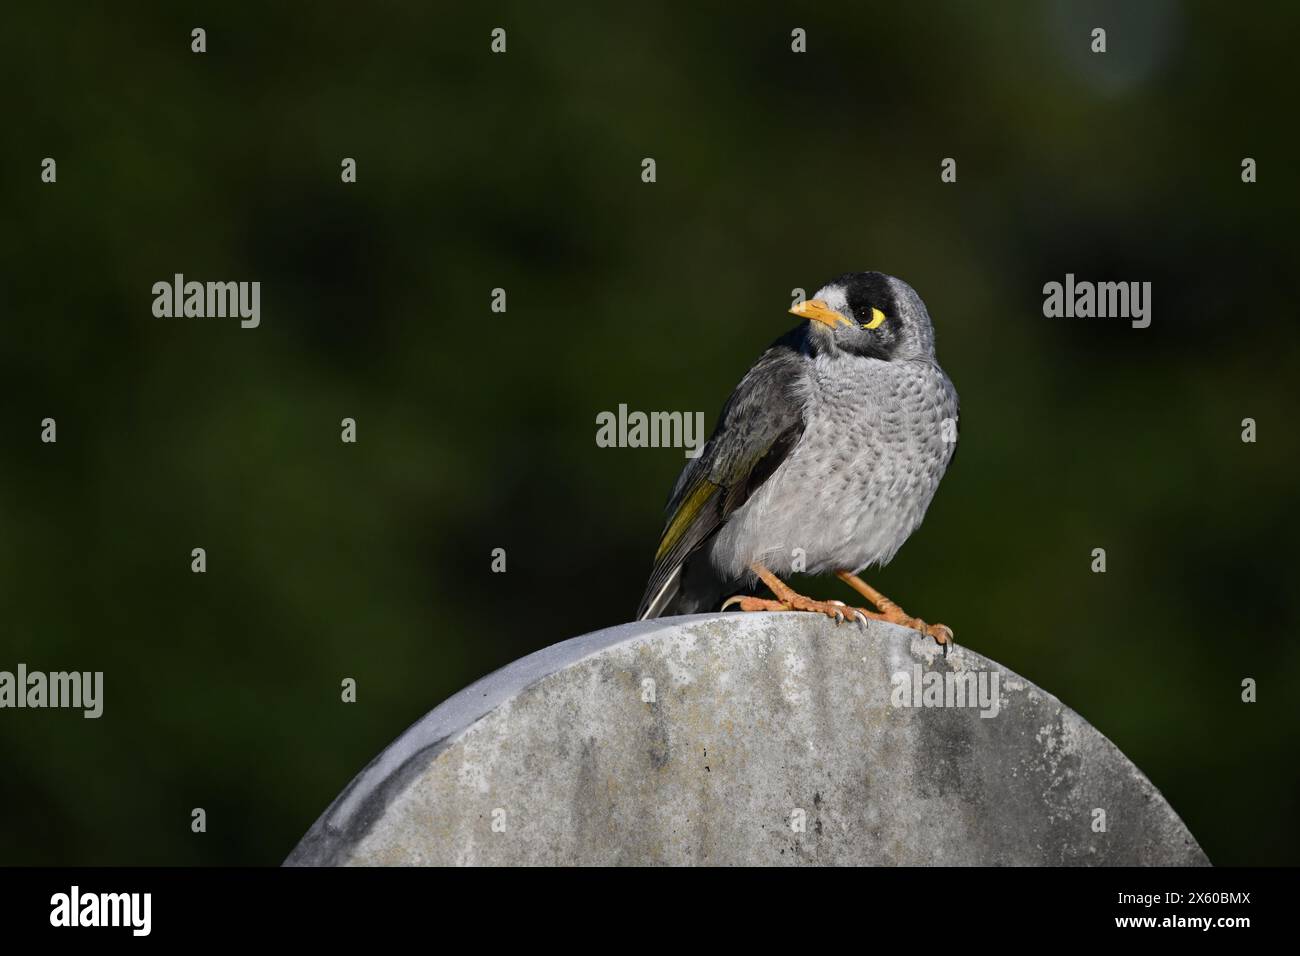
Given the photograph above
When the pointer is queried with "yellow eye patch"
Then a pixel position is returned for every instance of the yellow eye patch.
(876, 318)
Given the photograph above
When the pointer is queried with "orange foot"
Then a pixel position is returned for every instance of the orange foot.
(889, 611)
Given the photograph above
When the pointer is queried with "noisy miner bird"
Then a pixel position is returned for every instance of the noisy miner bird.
(823, 460)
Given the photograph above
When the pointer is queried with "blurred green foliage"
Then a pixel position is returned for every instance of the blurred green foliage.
(476, 431)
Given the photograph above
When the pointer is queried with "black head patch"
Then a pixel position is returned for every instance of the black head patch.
(865, 291)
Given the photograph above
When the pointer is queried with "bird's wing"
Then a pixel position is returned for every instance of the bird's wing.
(758, 426)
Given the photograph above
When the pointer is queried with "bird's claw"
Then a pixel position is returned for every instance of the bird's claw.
(748, 603)
(942, 633)
(838, 615)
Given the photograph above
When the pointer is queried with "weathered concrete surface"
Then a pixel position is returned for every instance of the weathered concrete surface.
(754, 718)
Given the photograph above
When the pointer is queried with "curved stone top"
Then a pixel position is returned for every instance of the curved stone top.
(750, 739)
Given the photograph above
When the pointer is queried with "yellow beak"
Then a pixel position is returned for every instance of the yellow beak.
(816, 310)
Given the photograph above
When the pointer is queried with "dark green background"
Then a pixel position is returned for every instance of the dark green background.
(477, 431)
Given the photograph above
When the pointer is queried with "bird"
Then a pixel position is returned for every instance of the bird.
(824, 460)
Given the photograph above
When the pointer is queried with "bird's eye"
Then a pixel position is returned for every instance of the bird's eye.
(876, 318)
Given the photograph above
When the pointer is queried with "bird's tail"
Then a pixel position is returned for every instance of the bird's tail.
(691, 589)
(655, 604)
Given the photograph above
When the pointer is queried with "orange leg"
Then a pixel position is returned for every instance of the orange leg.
(787, 599)
(889, 611)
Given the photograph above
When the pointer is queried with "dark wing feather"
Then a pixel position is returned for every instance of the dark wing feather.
(758, 426)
